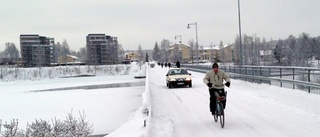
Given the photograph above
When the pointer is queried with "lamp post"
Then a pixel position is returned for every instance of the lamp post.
(240, 33)
(175, 37)
(180, 42)
(197, 47)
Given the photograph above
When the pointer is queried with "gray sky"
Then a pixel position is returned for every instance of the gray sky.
(145, 22)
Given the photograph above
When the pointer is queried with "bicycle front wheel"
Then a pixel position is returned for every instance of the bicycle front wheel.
(215, 116)
(221, 116)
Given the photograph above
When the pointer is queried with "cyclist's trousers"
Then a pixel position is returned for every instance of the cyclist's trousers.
(213, 98)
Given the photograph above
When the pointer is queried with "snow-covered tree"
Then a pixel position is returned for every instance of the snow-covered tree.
(175, 56)
(82, 54)
(257, 47)
(305, 49)
(211, 52)
(10, 129)
(165, 44)
(62, 49)
(65, 49)
(192, 49)
(121, 52)
(141, 54)
(147, 57)
(156, 54)
(221, 56)
(71, 127)
(279, 52)
(11, 51)
(291, 51)
(317, 50)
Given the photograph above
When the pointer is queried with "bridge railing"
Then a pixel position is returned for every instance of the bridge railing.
(303, 78)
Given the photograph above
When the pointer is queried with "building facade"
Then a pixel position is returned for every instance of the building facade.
(36, 50)
(132, 55)
(208, 53)
(102, 49)
(68, 59)
(179, 52)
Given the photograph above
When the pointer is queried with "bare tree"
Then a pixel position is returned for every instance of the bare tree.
(192, 47)
(165, 44)
(11, 51)
(175, 56)
(211, 52)
(221, 57)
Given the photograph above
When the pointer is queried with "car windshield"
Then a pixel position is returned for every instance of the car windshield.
(178, 72)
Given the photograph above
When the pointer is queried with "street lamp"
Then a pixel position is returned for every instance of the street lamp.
(175, 37)
(197, 47)
(180, 42)
(240, 33)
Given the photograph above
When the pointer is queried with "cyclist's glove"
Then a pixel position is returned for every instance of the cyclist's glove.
(209, 85)
(227, 84)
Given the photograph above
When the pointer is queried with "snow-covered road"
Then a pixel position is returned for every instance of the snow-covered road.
(252, 110)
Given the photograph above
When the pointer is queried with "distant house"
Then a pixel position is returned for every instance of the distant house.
(181, 50)
(67, 59)
(208, 53)
(228, 53)
(132, 55)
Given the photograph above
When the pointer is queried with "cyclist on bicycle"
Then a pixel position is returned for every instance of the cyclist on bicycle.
(214, 80)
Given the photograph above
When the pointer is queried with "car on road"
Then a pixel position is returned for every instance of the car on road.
(178, 77)
(152, 65)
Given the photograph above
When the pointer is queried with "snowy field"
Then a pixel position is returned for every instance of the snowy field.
(105, 108)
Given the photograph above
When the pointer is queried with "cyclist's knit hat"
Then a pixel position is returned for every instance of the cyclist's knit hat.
(215, 65)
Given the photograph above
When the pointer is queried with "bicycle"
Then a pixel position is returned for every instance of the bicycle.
(219, 113)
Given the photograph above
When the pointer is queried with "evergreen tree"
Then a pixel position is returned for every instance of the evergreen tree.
(156, 54)
(147, 57)
(140, 52)
(278, 51)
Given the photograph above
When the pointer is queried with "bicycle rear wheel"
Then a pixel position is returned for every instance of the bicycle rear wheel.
(221, 116)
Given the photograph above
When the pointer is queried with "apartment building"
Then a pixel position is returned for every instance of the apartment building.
(36, 50)
(102, 49)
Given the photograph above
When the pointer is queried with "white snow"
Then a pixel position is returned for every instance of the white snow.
(252, 109)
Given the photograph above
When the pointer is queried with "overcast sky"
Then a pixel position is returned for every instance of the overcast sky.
(145, 22)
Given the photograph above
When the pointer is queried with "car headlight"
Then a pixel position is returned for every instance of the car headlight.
(188, 79)
(172, 79)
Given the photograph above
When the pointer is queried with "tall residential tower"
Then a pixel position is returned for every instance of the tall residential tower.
(102, 49)
(36, 50)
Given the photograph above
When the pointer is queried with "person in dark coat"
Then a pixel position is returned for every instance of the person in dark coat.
(165, 64)
(178, 64)
(169, 64)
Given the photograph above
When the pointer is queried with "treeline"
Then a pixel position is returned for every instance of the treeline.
(292, 51)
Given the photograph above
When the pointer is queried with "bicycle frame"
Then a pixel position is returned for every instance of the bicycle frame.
(220, 108)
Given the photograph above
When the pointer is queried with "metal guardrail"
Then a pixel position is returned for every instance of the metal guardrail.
(303, 78)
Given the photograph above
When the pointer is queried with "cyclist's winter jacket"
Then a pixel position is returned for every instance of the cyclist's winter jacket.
(216, 79)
